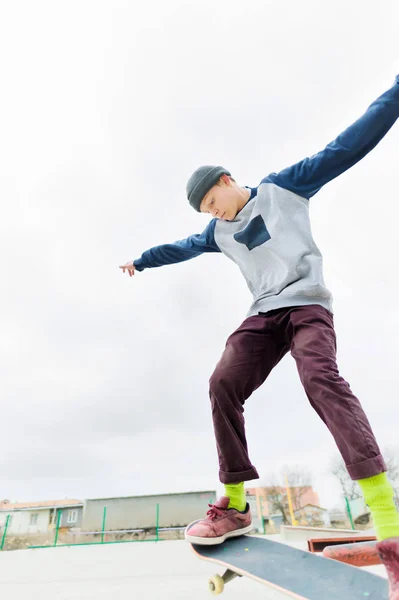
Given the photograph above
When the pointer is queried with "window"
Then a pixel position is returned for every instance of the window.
(33, 519)
(72, 516)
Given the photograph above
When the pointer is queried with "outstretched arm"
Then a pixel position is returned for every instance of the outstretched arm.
(182, 250)
(308, 176)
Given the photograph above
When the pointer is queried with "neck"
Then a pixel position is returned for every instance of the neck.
(245, 194)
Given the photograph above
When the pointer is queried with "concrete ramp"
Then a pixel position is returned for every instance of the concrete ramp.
(145, 571)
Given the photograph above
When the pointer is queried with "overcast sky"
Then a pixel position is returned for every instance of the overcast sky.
(106, 109)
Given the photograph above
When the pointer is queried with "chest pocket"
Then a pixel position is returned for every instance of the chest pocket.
(255, 233)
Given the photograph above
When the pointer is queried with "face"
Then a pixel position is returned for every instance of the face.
(222, 201)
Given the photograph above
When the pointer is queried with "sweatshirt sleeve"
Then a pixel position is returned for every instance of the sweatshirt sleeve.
(168, 254)
(308, 176)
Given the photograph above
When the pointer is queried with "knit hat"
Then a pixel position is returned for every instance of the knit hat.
(201, 182)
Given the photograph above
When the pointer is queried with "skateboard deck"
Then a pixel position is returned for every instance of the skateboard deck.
(299, 574)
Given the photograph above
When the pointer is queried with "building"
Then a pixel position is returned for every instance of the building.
(312, 516)
(273, 500)
(270, 523)
(146, 512)
(40, 517)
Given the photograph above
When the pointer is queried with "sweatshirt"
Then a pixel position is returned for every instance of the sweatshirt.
(270, 239)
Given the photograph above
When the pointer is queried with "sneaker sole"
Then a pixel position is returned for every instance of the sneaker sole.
(203, 541)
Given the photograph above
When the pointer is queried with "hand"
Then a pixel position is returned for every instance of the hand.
(129, 267)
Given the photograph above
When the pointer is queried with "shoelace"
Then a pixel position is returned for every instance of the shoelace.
(215, 512)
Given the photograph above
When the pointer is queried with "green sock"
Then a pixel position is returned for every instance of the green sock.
(236, 493)
(378, 494)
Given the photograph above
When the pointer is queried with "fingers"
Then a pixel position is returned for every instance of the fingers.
(130, 269)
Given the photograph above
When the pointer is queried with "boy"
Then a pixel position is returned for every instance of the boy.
(266, 231)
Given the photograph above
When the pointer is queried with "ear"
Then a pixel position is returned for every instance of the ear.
(225, 179)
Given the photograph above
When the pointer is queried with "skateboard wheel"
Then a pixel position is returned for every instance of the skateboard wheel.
(216, 585)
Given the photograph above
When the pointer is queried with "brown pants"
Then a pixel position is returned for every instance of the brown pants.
(251, 353)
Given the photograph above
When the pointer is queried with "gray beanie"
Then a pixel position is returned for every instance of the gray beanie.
(201, 182)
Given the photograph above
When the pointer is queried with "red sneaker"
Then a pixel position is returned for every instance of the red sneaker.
(220, 524)
(389, 553)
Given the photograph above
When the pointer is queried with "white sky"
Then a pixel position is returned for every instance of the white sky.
(106, 109)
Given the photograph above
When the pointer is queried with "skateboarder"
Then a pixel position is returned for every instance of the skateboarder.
(266, 231)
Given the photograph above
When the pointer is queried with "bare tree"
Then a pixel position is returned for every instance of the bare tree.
(391, 456)
(299, 482)
(351, 488)
(277, 499)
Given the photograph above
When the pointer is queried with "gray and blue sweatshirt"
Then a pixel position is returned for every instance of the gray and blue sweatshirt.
(270, 238)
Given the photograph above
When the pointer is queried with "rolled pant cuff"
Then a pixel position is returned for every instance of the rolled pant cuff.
(367, 468)
(238, 476)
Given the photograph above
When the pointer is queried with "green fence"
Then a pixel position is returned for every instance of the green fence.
(105, 536)
(3, 539)
(62, 536)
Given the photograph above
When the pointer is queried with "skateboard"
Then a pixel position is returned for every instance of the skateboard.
(296, 573)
